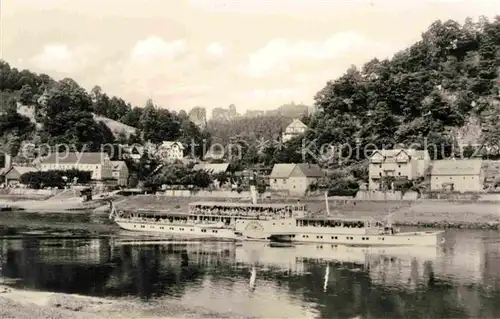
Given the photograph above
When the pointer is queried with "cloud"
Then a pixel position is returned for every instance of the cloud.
(155, 47)
(61, 58)
(215, 49)
(55, 54)
(277, 54)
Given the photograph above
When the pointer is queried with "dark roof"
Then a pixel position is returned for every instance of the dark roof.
(302, 169)
(72, 158)
(282, 170)
(457, 167)
(310, 170)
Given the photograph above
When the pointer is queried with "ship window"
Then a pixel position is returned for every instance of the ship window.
(135, 226)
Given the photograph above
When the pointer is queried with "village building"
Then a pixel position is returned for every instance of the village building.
(491, 171)
(400, 164)
(171, 151)
(120, 172)
(294, 129)
(12, 175)
(136, 151)
(457, 175)
(294, 178)
(98, 164)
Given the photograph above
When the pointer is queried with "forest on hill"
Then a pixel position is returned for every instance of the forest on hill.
(227, 124)
(64, 112)
(421, 95)
(423, 92)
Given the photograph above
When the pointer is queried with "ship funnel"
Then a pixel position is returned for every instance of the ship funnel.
(253, 193)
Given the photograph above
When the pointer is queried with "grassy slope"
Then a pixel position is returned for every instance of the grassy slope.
(115, 126)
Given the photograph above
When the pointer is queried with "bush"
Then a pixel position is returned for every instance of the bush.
(54, 178)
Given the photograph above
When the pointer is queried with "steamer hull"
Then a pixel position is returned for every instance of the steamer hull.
(172, 229)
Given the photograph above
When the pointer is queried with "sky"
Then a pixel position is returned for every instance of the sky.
(255, 54)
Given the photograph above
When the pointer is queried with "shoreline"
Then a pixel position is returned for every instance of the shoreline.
(422, 214)
(27, 304)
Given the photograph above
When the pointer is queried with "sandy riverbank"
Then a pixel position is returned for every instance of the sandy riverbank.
(23, 304)
(58, 204)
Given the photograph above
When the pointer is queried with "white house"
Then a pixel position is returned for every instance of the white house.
(171, 151)
(296, 128)
(406, 164)
(120, 172)
(98, 163)
(457, 175)
(294, 178)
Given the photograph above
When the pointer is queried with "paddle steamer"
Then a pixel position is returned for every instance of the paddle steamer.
(271, 222)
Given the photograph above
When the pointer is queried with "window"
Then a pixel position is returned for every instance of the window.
(379, 174)
(399, 166)
(399, 173)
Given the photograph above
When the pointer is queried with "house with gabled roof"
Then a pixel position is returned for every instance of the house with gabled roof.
(120, 172)
(457, 175)
(98, 163)
(294, 178)
(13, 174)
(294, 129)
(171, 151)
(401, 164)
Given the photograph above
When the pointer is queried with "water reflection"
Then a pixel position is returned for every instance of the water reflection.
(257, 279)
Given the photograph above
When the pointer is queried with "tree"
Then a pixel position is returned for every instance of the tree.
(68, 120)
(26, 94)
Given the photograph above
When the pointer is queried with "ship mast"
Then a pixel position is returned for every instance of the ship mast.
(253, 189)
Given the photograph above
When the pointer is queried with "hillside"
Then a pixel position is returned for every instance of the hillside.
(442, 90)
(255, 124)
(116, 127)
(36, 108)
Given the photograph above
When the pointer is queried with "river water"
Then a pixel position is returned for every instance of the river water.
(459, 280)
